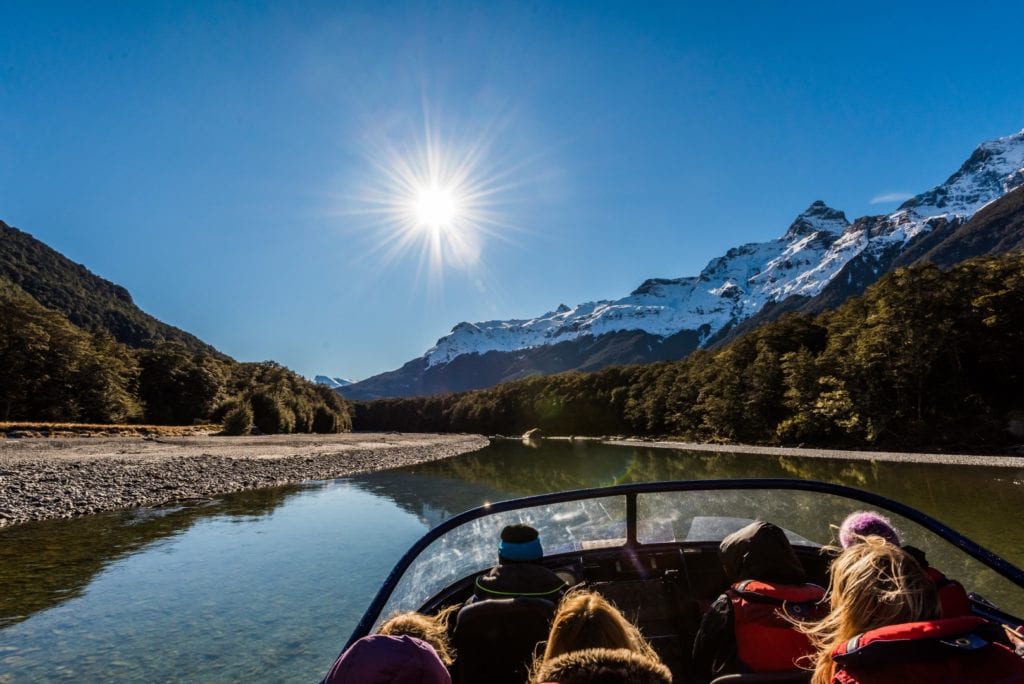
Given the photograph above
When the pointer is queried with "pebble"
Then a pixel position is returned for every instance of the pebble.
(42, 488)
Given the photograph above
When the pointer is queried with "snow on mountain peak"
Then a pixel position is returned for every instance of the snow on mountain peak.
(815, 247)
(819, 217)
(333, 383)
(995, 168)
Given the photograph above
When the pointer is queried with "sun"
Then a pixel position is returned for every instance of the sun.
(434, 202)
(435, 207)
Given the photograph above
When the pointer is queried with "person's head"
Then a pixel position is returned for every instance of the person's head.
(383, 659)
(432, 629)
(585, 619)
(873, 584)
(603, 666)
(863, 524)
(519, 544)
(760, 551)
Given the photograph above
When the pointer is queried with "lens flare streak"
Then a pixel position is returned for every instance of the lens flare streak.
(436, 200)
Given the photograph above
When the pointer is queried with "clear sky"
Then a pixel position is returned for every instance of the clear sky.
(219, 159)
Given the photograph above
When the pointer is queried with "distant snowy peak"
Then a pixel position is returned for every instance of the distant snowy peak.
(995, 168)
(333, 383)
(818, 244)
(819, 217)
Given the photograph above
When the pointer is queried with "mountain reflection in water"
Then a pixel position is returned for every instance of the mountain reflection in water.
(268, 584)
(48, 562)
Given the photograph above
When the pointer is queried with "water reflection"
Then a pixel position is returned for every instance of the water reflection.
(45, 563)
(431, 497)
(237, 595)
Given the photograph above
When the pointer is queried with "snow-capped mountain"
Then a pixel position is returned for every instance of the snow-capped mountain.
(995, 168)
(333, 383)
(818, 245)
(731, 287)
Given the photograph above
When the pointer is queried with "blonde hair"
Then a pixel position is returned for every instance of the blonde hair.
(432, 629)
(584, 620)
(610, 665)
(873, 584)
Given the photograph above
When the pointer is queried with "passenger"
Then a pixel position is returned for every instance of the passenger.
(750, 628)
(432, 629)
(383, 659)
(953, 599)
(586, 620)
(883, 627)
(517, 572)
(603, 666)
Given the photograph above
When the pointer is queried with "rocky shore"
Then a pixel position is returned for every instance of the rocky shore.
(990, 461)
(63, 478)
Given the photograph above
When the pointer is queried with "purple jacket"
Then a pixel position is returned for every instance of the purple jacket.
(381, 659)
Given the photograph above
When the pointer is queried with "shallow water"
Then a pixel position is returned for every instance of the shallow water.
(268, 585)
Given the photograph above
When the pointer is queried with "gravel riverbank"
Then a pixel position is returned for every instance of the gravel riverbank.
(63, 478)
(836, 454)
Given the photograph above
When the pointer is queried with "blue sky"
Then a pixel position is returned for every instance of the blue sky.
(214, 157)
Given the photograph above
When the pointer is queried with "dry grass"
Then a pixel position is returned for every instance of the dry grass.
(25, 429)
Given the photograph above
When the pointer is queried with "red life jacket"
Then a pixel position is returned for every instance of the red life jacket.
(953, 598)
(766, 641)
(947, 651)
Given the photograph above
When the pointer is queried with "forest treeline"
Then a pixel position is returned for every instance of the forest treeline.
(926, 357)
(55, 371)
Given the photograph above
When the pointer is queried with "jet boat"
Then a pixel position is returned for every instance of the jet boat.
(652, 549)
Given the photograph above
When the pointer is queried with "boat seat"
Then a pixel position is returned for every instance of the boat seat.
(789, 677)
(665, 613)
(496, 639)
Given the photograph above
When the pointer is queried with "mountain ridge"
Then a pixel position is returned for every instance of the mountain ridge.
(819, 246)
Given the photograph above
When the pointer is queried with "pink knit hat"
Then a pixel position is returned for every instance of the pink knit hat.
(867, 523)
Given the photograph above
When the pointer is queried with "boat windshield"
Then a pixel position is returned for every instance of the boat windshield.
(473, 546)
(592, 520)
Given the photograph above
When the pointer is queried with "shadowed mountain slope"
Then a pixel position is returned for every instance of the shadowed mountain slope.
(87, 300)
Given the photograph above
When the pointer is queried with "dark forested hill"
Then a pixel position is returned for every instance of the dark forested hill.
(87, 300)
(74, 348)
(925, 358)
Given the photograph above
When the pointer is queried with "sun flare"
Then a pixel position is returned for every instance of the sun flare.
(436, 200)
(435, 207)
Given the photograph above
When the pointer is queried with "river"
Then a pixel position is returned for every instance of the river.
(267, 585)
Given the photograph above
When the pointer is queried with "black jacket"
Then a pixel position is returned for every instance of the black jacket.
(508, 580)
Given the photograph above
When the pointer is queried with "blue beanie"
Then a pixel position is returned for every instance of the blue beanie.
(520, 543)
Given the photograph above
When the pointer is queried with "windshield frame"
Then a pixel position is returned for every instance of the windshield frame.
(631, 491)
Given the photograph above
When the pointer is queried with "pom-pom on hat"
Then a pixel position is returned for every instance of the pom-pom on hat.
(864, 524)
(520, 543)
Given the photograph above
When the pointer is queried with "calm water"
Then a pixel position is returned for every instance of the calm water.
(268, 585)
